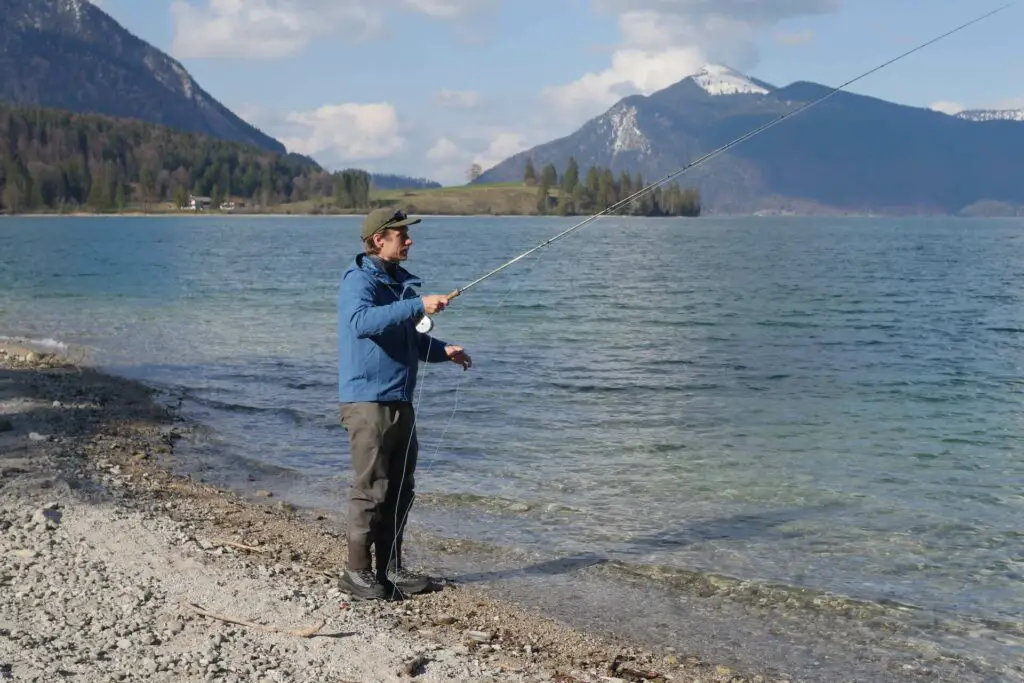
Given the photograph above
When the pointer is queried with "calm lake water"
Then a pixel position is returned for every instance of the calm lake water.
(820, 404)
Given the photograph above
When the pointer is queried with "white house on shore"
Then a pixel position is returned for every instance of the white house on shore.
(198, 203)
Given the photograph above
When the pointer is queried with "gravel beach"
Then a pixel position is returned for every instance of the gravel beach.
(116, 569)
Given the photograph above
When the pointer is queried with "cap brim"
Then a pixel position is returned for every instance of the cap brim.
(403, 224)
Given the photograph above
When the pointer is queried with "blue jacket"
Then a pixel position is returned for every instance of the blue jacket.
(379, 348)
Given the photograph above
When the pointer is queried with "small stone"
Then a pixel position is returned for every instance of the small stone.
(124, 644)
(47, 518)
(35, 436)
(519, 507)
(264, 494)
(480, 636)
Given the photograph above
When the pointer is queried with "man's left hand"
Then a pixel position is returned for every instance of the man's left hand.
(457, 355)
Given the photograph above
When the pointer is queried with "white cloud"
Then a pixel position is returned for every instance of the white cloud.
(947, 107)
(632, 71)
(443, 8)
(449, 161)
(503, 145)
(462, 99)
(343, 133)
(444, 151)
(663, 41)
(270, 29)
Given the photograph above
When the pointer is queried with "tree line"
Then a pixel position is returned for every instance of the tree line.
(600, 189)
(56, 160)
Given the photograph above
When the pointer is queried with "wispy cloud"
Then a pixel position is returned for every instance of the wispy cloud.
(462, 99)
(271, 29)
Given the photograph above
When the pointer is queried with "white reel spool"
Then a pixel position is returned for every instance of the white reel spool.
(425, 325)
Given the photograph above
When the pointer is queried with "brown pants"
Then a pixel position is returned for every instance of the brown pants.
(384, 453)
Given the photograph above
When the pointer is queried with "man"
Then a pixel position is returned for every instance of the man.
(379, 351)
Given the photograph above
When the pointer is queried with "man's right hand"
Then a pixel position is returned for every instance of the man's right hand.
(435, 303)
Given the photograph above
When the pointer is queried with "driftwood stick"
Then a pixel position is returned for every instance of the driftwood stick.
(240, 546)
(302, 633)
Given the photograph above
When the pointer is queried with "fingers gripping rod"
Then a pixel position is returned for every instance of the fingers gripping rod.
(714, 153)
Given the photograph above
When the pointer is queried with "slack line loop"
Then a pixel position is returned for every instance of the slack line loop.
(726, 147)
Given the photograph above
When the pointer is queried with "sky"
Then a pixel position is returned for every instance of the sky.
(428, 87)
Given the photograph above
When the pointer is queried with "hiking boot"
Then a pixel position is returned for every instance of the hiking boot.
(362, 584)
(409, 583)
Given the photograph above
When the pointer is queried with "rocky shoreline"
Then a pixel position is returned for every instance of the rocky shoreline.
(116, 569)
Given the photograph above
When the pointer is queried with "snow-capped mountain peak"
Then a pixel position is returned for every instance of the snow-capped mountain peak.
(721, 80)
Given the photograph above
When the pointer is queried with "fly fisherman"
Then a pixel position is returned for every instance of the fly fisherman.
(379, 350)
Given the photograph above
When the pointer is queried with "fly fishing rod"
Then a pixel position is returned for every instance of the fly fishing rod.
(426, 324)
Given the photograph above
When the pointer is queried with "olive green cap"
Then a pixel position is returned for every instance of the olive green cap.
(379, 219)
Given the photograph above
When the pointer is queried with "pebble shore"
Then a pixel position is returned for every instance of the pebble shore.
(114, 569)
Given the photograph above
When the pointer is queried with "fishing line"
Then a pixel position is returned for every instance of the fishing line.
(427, 324)
(417, 401)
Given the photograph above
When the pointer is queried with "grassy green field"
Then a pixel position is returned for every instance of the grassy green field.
(510, 199)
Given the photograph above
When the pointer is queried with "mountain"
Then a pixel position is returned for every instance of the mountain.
(850, 153)
(69, 54)
(992, 115)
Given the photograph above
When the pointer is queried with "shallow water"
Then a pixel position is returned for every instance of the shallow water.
(825, 404)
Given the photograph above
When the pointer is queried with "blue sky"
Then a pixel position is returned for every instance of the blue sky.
(428, 87)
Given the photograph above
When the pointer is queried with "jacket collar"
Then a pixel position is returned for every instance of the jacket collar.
(402, 276)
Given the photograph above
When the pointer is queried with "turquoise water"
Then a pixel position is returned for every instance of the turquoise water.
(823, 403)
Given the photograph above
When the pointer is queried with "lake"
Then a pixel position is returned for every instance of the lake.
(810, 406)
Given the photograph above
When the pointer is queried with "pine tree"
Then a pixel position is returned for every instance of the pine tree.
(530, 173)
(571, 176)
(549, 176)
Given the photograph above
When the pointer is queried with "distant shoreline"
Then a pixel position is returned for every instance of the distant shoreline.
(359, 214)
(135, 213)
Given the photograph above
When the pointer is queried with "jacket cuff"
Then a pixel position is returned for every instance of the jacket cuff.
(418, 309)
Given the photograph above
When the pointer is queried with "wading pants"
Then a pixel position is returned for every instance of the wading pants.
(384, 451)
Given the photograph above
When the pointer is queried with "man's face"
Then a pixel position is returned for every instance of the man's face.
(394, 244)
